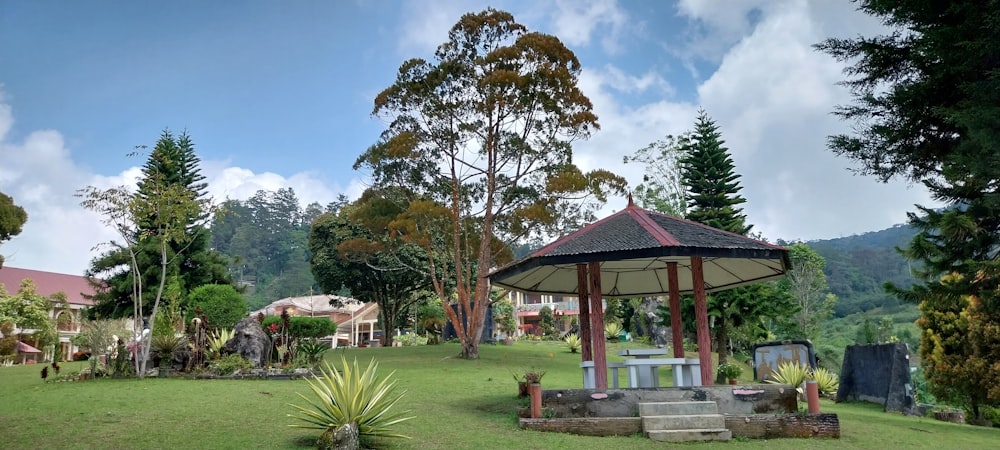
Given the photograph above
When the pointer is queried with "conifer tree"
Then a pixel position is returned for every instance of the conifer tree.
(711, 180)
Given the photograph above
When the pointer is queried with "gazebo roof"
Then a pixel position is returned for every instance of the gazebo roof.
(633, 245)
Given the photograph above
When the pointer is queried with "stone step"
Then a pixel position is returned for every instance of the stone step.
(687, 422)
(677, 408)
(715, 434)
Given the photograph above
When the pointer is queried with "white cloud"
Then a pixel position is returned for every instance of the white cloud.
(60, 235)
(576, 22)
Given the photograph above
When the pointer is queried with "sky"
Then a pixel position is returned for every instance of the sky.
(280, 94)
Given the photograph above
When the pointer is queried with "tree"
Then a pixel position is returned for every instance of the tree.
(12, 217)
(221, 304)
(483, 137)
(27, 309)
(926, 107)
(171, 166)
(708, 174)
(347, 253)
(164, 214)
(806, 282)
(662, 187)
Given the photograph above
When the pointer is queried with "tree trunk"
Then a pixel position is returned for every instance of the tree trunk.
(470, 350)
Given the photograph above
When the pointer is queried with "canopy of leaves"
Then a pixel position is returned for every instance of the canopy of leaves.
(662, 188)
(806, 282)
(27, 309)
(304, 327)
(708, 173)
(12, 217)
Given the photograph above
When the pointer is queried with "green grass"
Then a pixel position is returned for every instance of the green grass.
(458, 404)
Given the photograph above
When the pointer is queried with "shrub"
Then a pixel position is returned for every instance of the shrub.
(230, 364)
(310, 351)
(304, 327)
(791, 373)
(572, 342)
(729, 371)
(221, 304)
(81, 356)
(410, 338)
(352, 396)
(826, 381)
(218, 339)
(612, 330)
(165, 345)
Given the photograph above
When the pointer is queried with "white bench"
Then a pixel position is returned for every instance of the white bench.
(589, 373)
(644, 372)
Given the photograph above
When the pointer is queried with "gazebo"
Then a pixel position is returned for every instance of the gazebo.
(636, 252)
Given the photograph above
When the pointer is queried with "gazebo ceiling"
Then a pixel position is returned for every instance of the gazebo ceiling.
(634, 247)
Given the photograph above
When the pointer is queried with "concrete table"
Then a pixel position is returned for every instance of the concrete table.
(646, 375)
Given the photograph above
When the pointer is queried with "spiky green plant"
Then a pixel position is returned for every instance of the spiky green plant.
(612, 330)
(351, 395)
(573, 342)
(826, 381)
(791, 373)
(218, 339)
(311, 351)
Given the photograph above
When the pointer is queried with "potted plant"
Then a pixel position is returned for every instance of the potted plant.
(525, 379)
(729, 371)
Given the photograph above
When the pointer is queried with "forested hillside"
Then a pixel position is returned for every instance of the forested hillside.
(265, 239)
(857, 267)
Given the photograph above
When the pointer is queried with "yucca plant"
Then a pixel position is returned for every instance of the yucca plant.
(791, 373)
(612, 330)
(218, 339)
(164, 345)
(352, 396)
(826, 381)
(311, 351)
(572, 342)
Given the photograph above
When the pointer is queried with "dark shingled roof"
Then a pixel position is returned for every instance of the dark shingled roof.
(636, 240)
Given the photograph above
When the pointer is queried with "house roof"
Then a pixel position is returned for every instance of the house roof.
(310, 304)
(49, 283)
(634, 247)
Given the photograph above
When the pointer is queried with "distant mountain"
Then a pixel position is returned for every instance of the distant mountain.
(857, 267)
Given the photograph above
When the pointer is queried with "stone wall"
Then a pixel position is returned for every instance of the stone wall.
(740, 399)
(769, 426)
(877, 373)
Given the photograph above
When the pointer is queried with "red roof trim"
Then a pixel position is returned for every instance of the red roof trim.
(661, 235)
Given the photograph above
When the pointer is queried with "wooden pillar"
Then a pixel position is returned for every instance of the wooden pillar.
(676, 327)
(597, 327)
(583, 289)
(701, 319)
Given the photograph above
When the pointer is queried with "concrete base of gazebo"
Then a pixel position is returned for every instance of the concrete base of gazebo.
(753, 410)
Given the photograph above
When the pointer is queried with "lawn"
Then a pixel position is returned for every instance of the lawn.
(458, 404)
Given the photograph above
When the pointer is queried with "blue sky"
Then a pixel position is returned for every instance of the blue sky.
(279, 94)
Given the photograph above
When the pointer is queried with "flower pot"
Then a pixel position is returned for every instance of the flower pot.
(522, 389)
(733, 381)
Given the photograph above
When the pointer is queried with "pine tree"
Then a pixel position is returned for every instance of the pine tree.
(172, 162)
(925, 108)
(711, 180)
(708, 173)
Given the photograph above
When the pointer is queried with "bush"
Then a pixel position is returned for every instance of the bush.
(572, 342)
(81, 356)
(729, 371)
(827, 381)
(221, 304)
(410, 339)
(613, 331)
(304, 327)
(230, 364)
(351, 396)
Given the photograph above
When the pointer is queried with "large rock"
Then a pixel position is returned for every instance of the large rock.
(249, 341)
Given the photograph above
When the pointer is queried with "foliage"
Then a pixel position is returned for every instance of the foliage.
(729, 371)
(8, 343)
(410, 339)
(504, 316)
(162, 225)
(546, 321)
(529, 376)
(304, 327)
(613, 330)
(265, 238)
(27, 309)
(348, 395)
(171, 195)
(164, 345)
(431, 318)
(217, 339)
(710, 178)
(311, 351)
(101, 336)
(12, 217)
(807, 285)
(220, 304)
(662, 189)
(826, 381)
(482, 139)
(791, 373)
(349, 251)
(573, 342)
(925, 109)
(230, 364)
